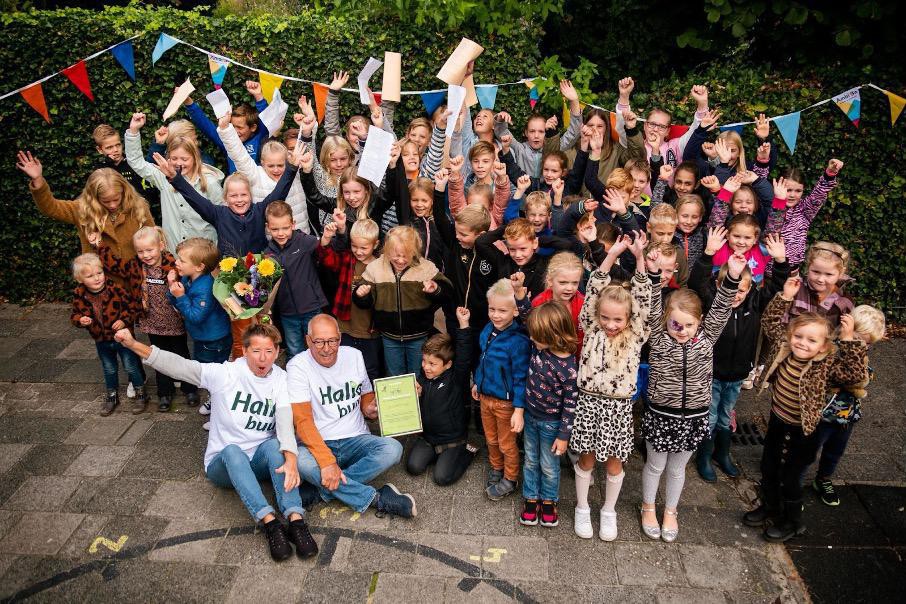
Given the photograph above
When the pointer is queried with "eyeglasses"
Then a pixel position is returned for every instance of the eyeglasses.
(656, 126)
(332, 342)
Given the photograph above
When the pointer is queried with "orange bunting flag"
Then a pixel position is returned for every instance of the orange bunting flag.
(78, 75)
(34, 96)
(269, 83)
(896, 106)
(320, 91)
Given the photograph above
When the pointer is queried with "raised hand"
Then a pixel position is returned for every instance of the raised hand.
(164, 166)
(463, 315)
(568, 91)
(847, 328)
(733, 183)
(723, 151)
(377, 115)
(623, 243)
(254, 88)
(625, 87)
(736, 264)
(161, 134)
(585, 138)
(429, 286)
(588, 232)
(523, 183)
(711, 183)
(748, 177)
(590, 205)
(441, 177)
(557, 187)
(339, 218)
(700, 94)
(137, 122)
(665, 173)
(330, 230)
(29, 164)
(442, 119)
(791, 288)
(834, 166)
(499, 169)
(763, 155)
(551, 123)
(503, 116)
(773, 242)
(780, 191)
(395, 150)
(224, 120)
(596, 142)
(306, 160)
(339, 80)
(518, 280)
(709, 150)
(762, 126)
(630, 119)
(614, 202)
(298, 155)
(651, 259)
(456, 163)
(717, 237)
(637, 247)
(505, 141)
(710, 119)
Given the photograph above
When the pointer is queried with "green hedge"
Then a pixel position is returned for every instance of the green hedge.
(311, 45)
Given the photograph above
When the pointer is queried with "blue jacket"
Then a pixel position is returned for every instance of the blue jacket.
(209, 129)
(205, 319)
(503, 367)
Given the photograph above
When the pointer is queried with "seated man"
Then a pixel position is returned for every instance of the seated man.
(251, 435)
(332, 396)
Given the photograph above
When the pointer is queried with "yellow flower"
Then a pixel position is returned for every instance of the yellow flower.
(227, 264)
(266, 267)
(242, 288)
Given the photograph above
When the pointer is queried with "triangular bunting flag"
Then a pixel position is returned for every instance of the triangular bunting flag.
(218, 66)
(164, 43)
(789, 128)
(614, 135)
(896, 106)
(377, 97)
(487, 96)
(433, 100)
(125, 56)
(850, 103)
(533, 97)
(320, 91)
(737, 128)
(529, 83)
(566, 117)
(676, 131)
(269, 83)
(78, 75)
(34, 96)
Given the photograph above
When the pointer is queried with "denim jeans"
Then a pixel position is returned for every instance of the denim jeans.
(723, 400)
(541, 468)
(214, 351)
(361, 458)
(403, 357)
(108, 353)
(294, 329)
(233, 469)
(831, 438)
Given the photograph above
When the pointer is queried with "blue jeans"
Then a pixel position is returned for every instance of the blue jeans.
(403, 357)
(723, 400)
(361, 458)
(108, 353)
(214, 351)
(233, 469)
(831, 438)
(294, 329)
(541, 468)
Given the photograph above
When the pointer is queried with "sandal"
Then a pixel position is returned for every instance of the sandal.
(669, 535)
(652, 531)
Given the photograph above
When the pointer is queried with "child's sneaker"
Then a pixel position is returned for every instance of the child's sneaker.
(608, 531)
(500, 489)
(130, 390)
(529, 515)
(192, 399)
(140, 402)
(164, 404)
(494, 476)
(206, 425)
(826, 491)
(582, 523)
(550, 516)
(205, 408)
(110, 402)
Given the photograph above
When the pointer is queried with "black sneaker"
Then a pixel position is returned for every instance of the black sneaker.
(277, 540)
(309, 494)
(391, 501)
(500, 489)
(140, 402)
(494, 476)
(192, 399)
(826, 491)
(302, 539)
(110, 403)
(164, 404)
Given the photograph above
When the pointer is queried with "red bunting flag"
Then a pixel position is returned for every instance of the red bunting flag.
(34, 96)
(377, 97)
(676, 131)
(320, 91)
(78, 75)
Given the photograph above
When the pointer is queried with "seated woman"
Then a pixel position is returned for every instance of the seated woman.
(252, 437)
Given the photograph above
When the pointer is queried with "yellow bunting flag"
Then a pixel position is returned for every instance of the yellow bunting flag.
(896, 106)
(565, 114)
(269, 83)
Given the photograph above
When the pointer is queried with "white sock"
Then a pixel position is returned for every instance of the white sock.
(583, 480)
(612, 491)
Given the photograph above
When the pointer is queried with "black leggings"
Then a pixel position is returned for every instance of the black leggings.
(178, 345)
(449, 466)
(787, 453)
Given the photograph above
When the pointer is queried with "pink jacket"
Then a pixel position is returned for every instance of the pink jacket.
(457, 197)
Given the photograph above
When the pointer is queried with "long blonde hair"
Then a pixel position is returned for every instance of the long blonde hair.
(93, 215)
(618, 345)
(191, 147)
(731, 136)
(351, 174)
(333, 143)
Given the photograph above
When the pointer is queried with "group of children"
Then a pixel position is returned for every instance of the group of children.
(566, 279)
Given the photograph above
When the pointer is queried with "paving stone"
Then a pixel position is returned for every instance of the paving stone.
(142, 532)
(11, 481)
(135, 432)
(43, 348)
(434, 512)
(372, 554)
(8, 519)
(174, 434)
(580, 593)
(449, 555)
(648, 565)
(42, 494)
(82, 372)
(203, 551)
(81, 540)
(79, 350)
(121, 496)
(250, 549)
(99, 461)
(175, 499)
(525, 558)
(680, 595)
(40, 533)
(52, 430)
(266, 584)
(135, 580)
(226, 509)
(43, 370)
(47, 460)
(10, 346)
(712, 567)
(721, 527)
(590, 559)
(497, 518)
(27, 571)
(10, 454)
(88, 488)
(336, 514)
(100, 430)
(165, 462)
(325, 586)
(407, 588)
(477, 590)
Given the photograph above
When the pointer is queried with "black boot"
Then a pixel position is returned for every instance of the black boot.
(703, 460)
(790, 526)
(722, 452)
(769, 509)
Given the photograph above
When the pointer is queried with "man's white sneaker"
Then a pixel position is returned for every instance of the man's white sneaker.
(608, 530)
(205, 408)
(582, 523)
(130, 390)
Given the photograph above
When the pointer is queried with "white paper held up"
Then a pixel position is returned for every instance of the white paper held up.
(272, 117)
(364, 76)
(456, 95)
(376, 156)
(181, 94)
(220, 103)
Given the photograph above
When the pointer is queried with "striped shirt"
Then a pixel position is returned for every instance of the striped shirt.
(785, 399)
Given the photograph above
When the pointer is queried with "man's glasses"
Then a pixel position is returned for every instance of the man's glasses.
(332, 342)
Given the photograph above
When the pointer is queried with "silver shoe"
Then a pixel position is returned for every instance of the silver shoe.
(669, 535)
(651, 531)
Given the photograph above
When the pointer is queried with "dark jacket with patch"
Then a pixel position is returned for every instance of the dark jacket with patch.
(443, 414)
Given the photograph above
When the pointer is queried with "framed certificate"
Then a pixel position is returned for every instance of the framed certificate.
(397, 405)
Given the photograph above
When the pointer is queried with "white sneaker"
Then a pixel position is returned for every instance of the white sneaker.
(582, 523)
(205, 408)
(130, 390)
(206, 425)
(608, 530)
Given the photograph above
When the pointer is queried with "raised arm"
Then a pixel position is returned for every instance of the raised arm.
(133, 146)
(168, 363)
(236, 151)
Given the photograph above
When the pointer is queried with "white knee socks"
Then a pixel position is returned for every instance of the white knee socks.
(612, 491)
(583, 480)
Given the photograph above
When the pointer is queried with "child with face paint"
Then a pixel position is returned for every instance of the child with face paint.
(675, 421)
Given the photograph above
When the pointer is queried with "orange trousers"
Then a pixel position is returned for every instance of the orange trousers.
(503, 452)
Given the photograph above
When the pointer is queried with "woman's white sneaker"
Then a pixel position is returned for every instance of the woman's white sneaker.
(582, 523)
(608, 530)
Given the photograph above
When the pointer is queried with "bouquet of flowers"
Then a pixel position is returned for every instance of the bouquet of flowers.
(248, 286)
